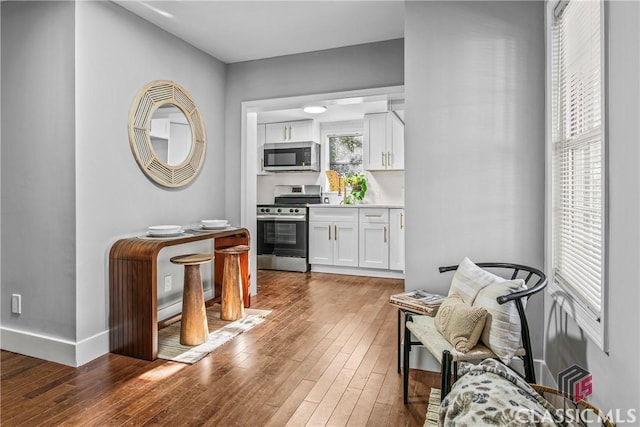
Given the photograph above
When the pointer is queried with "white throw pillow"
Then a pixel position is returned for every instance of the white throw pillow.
(502, 327)
(469, 279)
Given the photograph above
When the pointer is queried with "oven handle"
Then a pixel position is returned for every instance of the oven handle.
(281, 218)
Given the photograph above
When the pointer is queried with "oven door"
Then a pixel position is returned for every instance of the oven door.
(282, 236)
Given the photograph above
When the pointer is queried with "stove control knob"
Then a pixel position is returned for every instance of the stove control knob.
(290, 210)
(297, 210)
(279, 210)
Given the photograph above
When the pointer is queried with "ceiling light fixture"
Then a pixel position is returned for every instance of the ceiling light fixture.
(315, 109)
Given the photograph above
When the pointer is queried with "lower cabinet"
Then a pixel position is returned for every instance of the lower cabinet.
(374, 238)
(333, 236)
(396, 239)
(365, 238)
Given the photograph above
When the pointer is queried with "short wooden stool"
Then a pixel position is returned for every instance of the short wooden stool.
(194, 329)
(232, 305)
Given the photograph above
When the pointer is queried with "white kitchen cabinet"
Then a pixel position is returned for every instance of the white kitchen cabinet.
(373, 238)
(396, 239)
(383, 146)
(333, 236)
(295, 131)
(260, 143)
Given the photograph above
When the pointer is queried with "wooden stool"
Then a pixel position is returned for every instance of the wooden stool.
(232, 305)
(194, 329)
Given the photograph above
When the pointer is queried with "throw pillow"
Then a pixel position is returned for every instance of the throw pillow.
(502, 327)
(459, 323)
(469, 279)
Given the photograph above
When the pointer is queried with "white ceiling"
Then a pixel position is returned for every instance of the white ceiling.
(235, 31)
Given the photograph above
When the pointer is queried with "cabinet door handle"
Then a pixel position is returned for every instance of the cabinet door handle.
(401, 220)
(289, 132)
(329, 227)
(383, 159)
(261, 165)
(335, 232)
(385, 234)
(388, 159)
(373, 216)
(284, 136)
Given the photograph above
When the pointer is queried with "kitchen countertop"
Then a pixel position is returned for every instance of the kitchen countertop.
(360, 205)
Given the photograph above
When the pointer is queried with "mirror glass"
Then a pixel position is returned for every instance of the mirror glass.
(170, 134)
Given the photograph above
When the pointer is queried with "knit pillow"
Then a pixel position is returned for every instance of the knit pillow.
(459, 323)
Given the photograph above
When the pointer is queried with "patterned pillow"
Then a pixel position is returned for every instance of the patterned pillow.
(502, 327)
(460, 323)
(469, 279)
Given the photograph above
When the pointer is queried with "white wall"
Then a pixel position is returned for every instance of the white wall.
(474, 139)
(87, 180)
(616, 376)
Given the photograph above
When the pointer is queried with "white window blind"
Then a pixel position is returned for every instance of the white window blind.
(578, 152)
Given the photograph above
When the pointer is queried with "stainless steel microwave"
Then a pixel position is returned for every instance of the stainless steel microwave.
(292, 156)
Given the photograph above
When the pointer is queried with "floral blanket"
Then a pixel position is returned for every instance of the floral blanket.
(491, 394)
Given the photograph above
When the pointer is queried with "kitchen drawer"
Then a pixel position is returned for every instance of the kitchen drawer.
(373, 215)
(333, 214)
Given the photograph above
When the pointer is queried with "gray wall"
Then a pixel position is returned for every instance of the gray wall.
(38, 167)
(334, 70)
(616, 376)
(111, 189)
(474, 153)
(88, 185)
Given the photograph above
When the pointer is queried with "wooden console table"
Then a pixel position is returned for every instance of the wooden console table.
(133, 284)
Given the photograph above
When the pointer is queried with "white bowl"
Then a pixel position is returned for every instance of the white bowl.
(163, 230)
(214, 223)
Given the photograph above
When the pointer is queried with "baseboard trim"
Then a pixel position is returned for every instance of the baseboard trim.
(356, 271)
(54, 349)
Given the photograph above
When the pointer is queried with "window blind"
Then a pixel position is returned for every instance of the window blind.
(578, 147)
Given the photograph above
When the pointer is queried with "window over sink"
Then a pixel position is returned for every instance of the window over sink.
(345, 153)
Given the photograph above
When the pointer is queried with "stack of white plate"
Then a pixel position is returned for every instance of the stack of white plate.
(214, 224)
(164, 230)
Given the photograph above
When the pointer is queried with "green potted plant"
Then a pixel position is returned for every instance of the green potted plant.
(358, 184)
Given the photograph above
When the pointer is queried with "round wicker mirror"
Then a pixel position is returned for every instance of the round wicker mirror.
(156, 95)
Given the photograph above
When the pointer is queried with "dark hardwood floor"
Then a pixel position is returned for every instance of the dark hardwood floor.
(325, 356)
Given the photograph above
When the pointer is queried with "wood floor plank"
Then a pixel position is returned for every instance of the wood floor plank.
(366, 401)
(326, 355)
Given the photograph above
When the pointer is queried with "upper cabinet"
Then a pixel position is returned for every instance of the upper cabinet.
(383, 142)
(295, 131)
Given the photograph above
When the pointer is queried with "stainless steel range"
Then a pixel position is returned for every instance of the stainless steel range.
(283, 228)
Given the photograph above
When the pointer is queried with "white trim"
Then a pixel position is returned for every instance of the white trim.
(248, 144)
(92, 348)
(53, 349)
(356, 271)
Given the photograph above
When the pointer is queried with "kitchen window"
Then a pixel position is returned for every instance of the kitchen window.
(578, 147)
(345, 154)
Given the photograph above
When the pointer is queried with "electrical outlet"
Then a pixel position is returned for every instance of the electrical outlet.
(167, 283)
(16, 303)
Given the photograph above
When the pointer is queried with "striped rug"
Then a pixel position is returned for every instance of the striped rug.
(433, 408)
(220, 332)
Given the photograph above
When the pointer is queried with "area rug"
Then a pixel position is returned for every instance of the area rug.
(433, 408)
(220, 332)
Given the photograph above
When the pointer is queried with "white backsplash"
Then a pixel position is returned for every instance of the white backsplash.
(384, 188)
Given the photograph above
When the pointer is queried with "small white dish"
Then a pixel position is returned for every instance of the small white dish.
(214, 224)
(164, 230)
